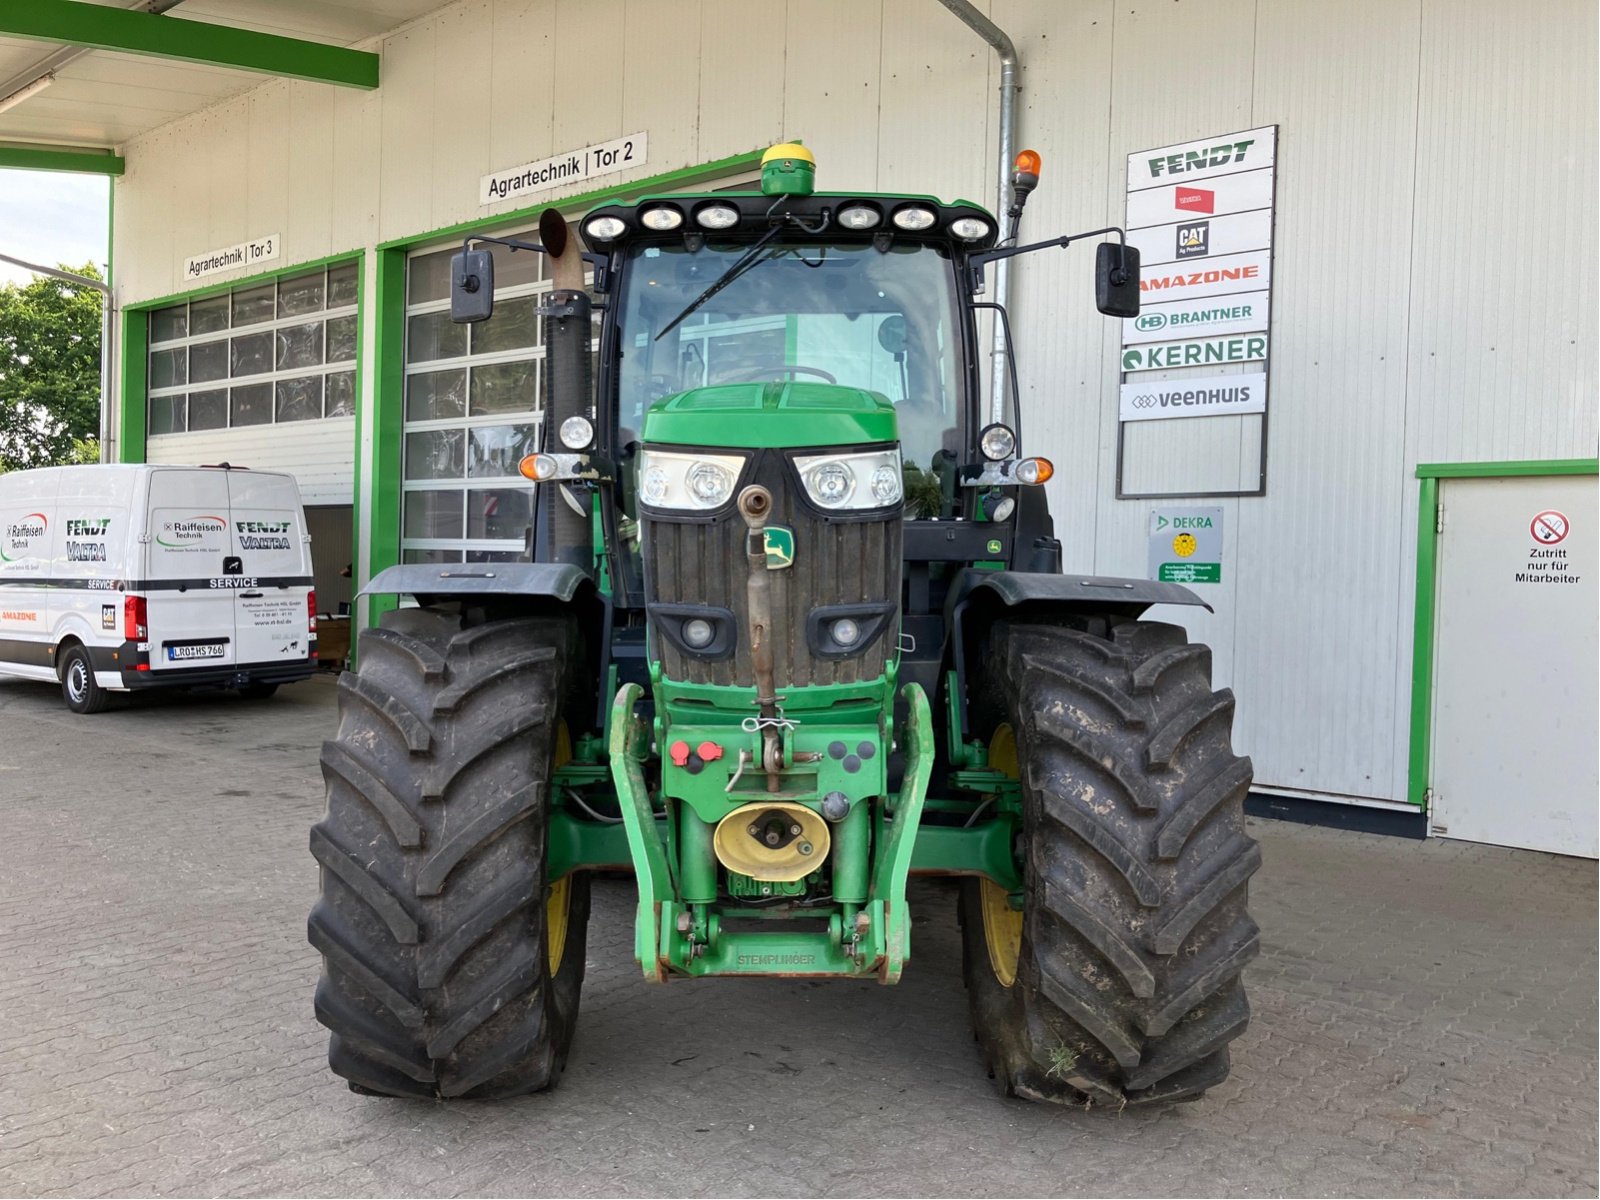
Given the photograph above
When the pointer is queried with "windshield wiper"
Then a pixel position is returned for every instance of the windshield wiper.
(746, 261)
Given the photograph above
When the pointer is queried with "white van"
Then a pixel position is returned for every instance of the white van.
(117, 578)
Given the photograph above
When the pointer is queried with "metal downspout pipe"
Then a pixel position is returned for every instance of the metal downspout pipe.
(1002, 44)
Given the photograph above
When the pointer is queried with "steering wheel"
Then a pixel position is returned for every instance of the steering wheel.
(763, 372)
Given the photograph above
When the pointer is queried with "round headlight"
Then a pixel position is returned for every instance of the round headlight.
(969, 229)
(997, 443)
(653, 485)
(709, 483)
(661, 218)
(576, 433)
(1003, 510)
(859, 216)
(845, 631)
(717, 216)
(697, 632)
(886, 485)
(831, 483)
(604, 229)
(914, 217)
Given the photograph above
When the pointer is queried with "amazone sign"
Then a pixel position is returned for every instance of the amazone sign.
(1202, 353)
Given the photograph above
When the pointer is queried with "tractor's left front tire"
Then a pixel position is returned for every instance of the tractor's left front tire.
(452, 964)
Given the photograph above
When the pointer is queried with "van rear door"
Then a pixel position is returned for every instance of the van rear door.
(187, 570)
(272, 616)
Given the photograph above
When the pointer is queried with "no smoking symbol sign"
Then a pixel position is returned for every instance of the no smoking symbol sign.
(1548, 527)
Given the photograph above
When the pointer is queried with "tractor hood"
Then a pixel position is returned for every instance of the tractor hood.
(760, 415)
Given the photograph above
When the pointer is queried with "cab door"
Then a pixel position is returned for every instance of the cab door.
(272, 616)
(188, 571)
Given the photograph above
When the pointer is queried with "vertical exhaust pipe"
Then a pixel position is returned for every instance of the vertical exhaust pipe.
(565, 533)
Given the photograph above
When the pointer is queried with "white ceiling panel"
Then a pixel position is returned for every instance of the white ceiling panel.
(103, 98)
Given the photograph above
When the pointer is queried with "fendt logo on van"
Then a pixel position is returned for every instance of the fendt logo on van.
(92, 547)
(20, 535)
(264, 535)
(186, 532)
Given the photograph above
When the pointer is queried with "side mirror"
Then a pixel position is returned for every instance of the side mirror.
(471, 286)
(1116, 280)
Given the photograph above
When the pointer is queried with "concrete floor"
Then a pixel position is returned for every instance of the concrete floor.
(1425, 1019)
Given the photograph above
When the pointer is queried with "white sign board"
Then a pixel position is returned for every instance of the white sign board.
(1199, 238)
(1243, 313)
(246, 254)
(1209, 198)
(573, 166)
(1227, 154)
(1203, 352)
(1206, 396)
(1206, 277)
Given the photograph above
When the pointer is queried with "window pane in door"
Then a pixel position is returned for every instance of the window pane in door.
(251, 354)
(208, 361)
(503, 388)
(435, 454)
(208, 410)
(342, 286)
(255, 305)
(252, 404)
(169, 323)
(299, 346)
(433, 514)
(208, 316)
(436, 396)
(496, 450)
(341, 394)
(300, 399)
(302, 294)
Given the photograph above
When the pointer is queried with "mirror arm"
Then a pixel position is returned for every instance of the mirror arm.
(978, 261)
(597, 261)
(1004, 318)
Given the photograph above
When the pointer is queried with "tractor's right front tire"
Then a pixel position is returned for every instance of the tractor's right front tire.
(451, 964)
(1117, 980)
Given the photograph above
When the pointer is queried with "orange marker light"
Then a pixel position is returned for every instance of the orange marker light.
(1034, 470)
(537, 467)
(1029, 162)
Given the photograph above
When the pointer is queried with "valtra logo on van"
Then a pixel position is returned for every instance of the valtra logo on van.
(86, 539)
(21, 534)
(189, 531)
(264, 535)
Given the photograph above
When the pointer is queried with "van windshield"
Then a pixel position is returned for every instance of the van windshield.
(883, 321)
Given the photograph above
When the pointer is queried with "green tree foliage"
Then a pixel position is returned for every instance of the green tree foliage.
(49, 372)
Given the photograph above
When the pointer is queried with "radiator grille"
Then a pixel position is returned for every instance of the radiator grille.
(834, 563)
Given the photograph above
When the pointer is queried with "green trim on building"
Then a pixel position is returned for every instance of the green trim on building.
(1424, 616)
(682, 177)
(1489, 470)
(83, 160)
(134, 382)
(388, 401)
(134, 376)
(72, 23)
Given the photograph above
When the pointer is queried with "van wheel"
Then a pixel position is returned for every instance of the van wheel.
(82, 693)
(258, 691)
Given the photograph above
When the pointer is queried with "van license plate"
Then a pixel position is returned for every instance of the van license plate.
(204, 650)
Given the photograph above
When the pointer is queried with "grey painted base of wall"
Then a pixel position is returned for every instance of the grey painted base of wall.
(1355, 817)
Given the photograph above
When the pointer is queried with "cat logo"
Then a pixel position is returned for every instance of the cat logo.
(1194, 239)
(779, 543)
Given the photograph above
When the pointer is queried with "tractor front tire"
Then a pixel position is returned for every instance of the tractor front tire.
(451, 965)
(1119, 981)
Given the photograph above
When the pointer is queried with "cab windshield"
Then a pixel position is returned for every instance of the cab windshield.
(883, 321)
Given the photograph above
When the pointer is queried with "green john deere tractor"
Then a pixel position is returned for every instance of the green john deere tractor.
(791, 626)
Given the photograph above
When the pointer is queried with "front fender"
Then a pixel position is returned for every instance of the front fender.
(1093, 593)
(559, 581)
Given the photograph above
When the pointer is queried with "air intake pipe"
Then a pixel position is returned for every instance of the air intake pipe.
(565, 529)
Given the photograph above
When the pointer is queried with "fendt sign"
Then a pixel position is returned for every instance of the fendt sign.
(1201, 215)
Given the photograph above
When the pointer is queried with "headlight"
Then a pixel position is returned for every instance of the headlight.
(576, 433)
(605, 229)
(691, 482)
(662, 218)
(1034, 470)
(859, 216)
(851, 481)
(716, 216)
(969, 229)
(914, 217)
(997, 443)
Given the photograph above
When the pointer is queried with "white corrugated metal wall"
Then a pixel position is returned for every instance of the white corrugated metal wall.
(1434, 295)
